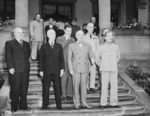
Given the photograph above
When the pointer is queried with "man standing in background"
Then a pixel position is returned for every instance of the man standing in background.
(96, 26)
(66, 80)
(37, 37)
(93, 41)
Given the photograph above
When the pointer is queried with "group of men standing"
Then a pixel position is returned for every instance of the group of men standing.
(64, 60)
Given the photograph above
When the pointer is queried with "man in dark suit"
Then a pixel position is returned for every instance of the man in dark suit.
(96, 26)
(66, 80)
(50, 26)
(51, 68)
(17, 53)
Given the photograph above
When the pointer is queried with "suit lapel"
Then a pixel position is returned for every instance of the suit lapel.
(18, 44)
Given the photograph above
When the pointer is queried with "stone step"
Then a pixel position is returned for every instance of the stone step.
(96, 111)
(38, 88)
(90, 100)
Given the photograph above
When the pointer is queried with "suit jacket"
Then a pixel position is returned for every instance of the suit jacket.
(36, 30)
(17, 56)
(51, 59)
(78, 58)
(96, 29)
(107, 57)
(93, 41)
(47, 28)
(65, 43)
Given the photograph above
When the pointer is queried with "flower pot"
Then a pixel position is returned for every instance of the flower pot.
(1, 83)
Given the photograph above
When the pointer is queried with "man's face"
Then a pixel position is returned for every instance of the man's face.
(68, 31)
(51, 21)
(51, 34)
(38, 17)
(109, 37)
(93, 20)
(90, 28)
(79, 36)
(18, 33)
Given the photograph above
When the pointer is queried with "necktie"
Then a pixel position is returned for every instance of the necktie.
(21, 42)
(52, 44)
(91, 36)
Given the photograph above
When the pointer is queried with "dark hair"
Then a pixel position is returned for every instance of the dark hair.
(36, 15)
(67, 26)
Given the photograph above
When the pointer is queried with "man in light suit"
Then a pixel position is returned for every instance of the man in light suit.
(37, 37)
(17, 53)
(66, 80)
(78, 61)
(93, 41)
(107, 58)
(51, 68)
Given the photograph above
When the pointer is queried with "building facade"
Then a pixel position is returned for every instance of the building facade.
(120, 12)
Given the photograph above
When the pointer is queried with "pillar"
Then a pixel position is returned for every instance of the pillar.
(21, 13)
(104, 13)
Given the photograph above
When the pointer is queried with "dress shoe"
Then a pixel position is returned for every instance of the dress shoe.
(93, 90)
(87, 106)
(44, 107)
(59, 108)
(13, 110)
(63, 98)
(117, 106)
(26, 108)
(103, 107)
(69, 98)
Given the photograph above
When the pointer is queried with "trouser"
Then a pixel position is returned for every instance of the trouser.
(35, 47)
(18, 89)
(106, 78)
(66, 84)
(79, 88)
(92, 75)
(57, 88)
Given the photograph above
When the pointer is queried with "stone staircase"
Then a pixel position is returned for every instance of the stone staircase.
(128, 102)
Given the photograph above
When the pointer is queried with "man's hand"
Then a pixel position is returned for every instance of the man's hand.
(71, 72)
(12, 71)
(92, 61)
(32, 38)
(61, 72)
(41, 73)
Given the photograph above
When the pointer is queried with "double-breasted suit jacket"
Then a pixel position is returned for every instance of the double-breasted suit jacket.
(17, 57)
(78, 58)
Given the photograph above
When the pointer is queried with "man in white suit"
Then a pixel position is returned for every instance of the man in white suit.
(107, 58)
(78, 61)
(37, 37)
(93, 41)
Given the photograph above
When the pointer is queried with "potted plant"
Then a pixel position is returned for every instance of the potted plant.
(3, 77)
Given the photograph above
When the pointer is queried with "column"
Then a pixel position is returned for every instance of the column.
(21, 13)
(104, 14)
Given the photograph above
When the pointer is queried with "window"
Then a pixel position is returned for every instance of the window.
(7, 8)
(58, 11)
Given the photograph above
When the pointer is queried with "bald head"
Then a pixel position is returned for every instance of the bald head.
(18, 33)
